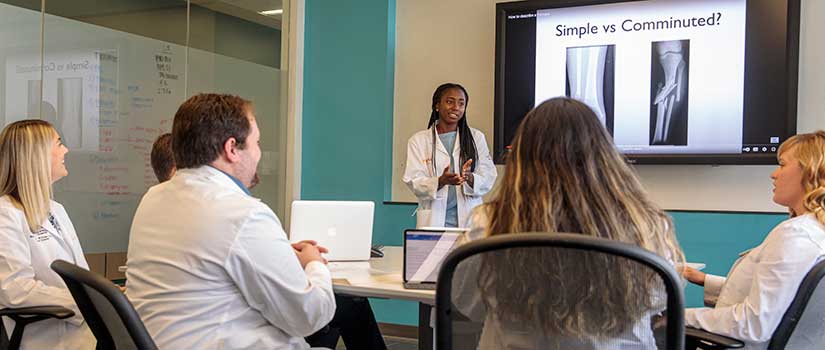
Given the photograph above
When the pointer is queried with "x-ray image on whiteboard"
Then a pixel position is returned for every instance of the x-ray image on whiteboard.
(68, 96)
(34, 99)
(70, 110)
(67, 115)
(669, 92)
(590, 79)
(37, 108)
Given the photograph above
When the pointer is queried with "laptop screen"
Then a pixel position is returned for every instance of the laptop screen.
(424, 251)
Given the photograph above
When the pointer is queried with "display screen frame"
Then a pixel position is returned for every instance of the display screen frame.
(787, 37)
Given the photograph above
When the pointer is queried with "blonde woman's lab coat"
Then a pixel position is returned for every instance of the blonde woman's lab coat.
(26, 278)
(422, 178)
(761, 285)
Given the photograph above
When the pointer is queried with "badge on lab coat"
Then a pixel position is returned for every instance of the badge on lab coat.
(41, 235)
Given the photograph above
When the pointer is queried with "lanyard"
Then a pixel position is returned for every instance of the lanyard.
(435, 171)
(63, 237)
(56, 225)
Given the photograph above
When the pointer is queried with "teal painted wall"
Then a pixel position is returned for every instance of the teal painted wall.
(347, 112)
(347, 117)
(347, 140)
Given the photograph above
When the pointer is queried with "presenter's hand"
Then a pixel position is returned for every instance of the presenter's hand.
(465, 172)
(693, 275)
(308, 252)
(448, 178)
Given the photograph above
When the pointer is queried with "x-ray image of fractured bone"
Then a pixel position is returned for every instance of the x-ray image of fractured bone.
(669, 95)
(590, 74)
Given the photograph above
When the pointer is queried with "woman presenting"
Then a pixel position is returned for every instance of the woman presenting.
(34, 232)
(448, 167)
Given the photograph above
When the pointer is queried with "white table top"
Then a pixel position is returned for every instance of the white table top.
(381, 278)
(377, 278)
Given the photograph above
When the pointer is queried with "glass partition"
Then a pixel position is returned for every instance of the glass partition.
(111, 74)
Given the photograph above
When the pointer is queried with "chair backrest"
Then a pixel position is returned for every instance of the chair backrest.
(109, 314)
(801, 326)
(557, 291)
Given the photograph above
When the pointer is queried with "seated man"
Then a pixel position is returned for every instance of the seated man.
(353, 320)
(209, 266)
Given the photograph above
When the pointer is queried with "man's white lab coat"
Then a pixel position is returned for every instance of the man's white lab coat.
(210, 267)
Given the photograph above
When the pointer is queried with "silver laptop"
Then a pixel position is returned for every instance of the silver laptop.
(424, 252)
(343, 227)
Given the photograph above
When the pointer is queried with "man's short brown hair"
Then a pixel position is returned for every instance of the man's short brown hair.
(163, 159)
(203, 124)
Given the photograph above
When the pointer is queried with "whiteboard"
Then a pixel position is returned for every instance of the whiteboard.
(110, 94)
(465, 53)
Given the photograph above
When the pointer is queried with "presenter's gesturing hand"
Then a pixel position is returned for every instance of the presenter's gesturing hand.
(448, 178)
(465, 172)
(308, 251)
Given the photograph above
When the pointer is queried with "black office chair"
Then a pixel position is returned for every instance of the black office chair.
(109, 314)
(24, 316)
(800, 328)
(554, 290)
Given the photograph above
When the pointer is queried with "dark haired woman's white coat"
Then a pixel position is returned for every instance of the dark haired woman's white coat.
(422, 177)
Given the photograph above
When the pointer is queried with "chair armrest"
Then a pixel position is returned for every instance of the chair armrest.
(47, 311)
(711, 341)
(22, 316)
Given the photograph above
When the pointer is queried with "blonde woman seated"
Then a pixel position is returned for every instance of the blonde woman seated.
(565, 175)
(761, 285)
(34, 232)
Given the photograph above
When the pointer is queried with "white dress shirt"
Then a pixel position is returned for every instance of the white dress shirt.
(27, 279)
(761, 285)
(210, 267)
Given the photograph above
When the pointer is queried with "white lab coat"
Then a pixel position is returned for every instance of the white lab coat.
(209, 267)
(761, 285)
(422, 179)
(26, 277)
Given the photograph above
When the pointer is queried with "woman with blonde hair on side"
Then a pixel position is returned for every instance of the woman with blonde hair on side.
(564, 174)
(750, 302)
(34, 232)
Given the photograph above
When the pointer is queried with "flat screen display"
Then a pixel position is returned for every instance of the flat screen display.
(687, 81)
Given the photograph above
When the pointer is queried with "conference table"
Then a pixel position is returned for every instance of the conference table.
(381, 278)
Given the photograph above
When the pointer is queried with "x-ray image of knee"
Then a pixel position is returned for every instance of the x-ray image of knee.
(37, 107)
(670, 62)
(67, 117)
(34, 99)
(70, 111)
(590, 79)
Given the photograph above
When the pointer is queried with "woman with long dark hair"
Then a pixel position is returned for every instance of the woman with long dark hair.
(449, 167)
(564, 174)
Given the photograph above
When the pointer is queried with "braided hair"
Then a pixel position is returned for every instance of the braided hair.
(467, 143)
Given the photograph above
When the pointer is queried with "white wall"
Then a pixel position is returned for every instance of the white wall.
(439, 41)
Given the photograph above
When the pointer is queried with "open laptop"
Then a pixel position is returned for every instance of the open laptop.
(424, 252)
(343, 227)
